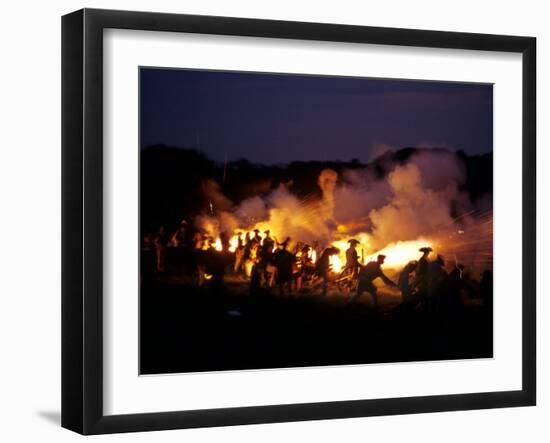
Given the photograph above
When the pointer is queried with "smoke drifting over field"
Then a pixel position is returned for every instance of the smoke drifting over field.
(417, 199)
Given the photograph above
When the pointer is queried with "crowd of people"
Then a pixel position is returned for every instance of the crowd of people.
(268, 263)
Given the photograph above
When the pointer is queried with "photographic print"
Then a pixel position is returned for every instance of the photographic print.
(291, 220)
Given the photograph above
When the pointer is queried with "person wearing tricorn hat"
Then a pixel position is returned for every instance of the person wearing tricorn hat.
(268, 243)
(421, 272)
(352, 258)
(367, 274)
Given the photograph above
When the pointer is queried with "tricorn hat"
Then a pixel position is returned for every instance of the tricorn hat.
(426, 249)
(285, 242)
(353, 241)
(380, 256)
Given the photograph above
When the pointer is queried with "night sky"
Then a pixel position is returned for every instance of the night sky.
(277, 118)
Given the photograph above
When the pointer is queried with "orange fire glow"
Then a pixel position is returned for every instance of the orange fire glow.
(398, 254)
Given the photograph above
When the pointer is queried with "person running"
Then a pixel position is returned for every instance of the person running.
(367, 274)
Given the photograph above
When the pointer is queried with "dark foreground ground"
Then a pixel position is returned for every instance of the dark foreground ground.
(186, 329)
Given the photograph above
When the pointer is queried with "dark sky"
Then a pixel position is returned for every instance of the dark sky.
(277, 118)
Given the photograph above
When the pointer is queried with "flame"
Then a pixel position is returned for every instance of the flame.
(398, 254)
(233, 243)
(248, 268)
(335, 263)
(315, 222)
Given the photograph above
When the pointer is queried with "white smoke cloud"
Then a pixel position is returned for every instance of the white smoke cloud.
(359, 193)
(414, 200)
(414, 210)
(439, 168)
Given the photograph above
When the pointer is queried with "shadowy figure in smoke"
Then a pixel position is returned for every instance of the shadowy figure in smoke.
(404, 281)
(454, 288)
(305, 266)
(161, 244)
(283, 261)
(239, 254)
(367, 274)
(323, 267)
(352, 259)
(421, 273)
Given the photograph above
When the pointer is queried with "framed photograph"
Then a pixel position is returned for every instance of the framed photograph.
(269, 221)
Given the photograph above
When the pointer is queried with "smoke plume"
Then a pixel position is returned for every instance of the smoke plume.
(418, 198)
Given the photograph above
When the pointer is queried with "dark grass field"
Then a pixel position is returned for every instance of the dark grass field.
(188, 329)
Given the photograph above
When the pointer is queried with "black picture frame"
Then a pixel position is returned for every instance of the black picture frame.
(82, 219)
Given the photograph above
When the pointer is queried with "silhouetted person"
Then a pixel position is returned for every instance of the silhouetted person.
(436, 276)
(323, 268)
(248, 243)
(239, 253)
(404, 280)
(257, 237)
(265, 258)
(436, 285)
(161, 243)
(421, 273)
(268, 242)
(454, 287)
(352, 259)
(224, 239)
(148, 262)
(304, 264)
(255, 278)
(198, 240)
(283, 261)
(367, 274)
(179, 238)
